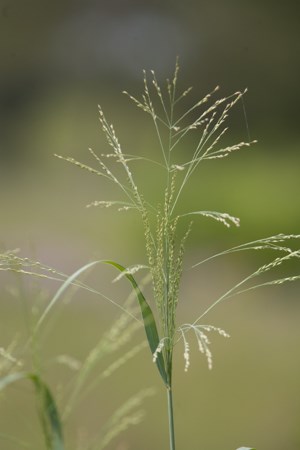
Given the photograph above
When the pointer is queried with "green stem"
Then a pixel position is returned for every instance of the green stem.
(171, 419)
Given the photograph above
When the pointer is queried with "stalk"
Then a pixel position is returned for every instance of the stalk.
(169, 358)
(171, 418)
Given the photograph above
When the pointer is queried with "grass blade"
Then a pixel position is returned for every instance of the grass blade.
(148, 318)
(11, 378)
(49, 415)
(70, 281)
(61, 290)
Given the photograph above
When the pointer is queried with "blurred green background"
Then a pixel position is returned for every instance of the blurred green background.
(58, 61)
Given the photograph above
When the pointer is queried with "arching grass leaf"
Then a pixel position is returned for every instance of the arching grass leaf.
(149, 321)
(148, 317)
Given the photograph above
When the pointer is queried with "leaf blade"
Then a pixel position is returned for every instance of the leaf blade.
(50, 419)
(148, 318)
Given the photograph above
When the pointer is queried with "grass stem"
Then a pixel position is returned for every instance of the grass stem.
(171, 419)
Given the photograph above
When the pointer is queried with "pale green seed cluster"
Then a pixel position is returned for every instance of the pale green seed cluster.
(164, 248)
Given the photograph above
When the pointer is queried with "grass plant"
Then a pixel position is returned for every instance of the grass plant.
(163, 220)
(21, 362)
(206, 119)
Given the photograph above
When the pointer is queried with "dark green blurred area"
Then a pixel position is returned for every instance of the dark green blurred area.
(58, 61)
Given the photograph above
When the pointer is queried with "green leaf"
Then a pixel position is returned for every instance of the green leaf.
(69, 281)
(11, 378)
(62, 289)
(49, 415)
(148, 317)
(149, 321)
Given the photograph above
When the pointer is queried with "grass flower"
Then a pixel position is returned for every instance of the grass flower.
(206, 121)
(164, 247)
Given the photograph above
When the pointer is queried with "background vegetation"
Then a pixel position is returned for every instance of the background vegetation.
(58, 61)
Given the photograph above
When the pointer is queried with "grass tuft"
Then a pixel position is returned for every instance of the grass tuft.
(205, 119)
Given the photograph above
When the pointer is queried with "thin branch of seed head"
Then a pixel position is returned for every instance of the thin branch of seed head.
(184, 94)
(172, 105)
(268, 283)
(113, 178)
(160, 96)
(114, 142)
(148, 101)
(194, 161)
(204, 139)
(207, 135)
(227, 150)
(123, 206)
(128, 158)
(83, 166)
(202, 118)
(186, 354)
(197, 105)
(263, 269)
(268, 243)
(180, 133)
(145, 106)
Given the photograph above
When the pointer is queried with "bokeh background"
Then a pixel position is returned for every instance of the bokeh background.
(59, 60)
